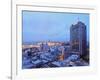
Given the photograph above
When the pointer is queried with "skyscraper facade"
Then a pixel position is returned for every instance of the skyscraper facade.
(78, 38)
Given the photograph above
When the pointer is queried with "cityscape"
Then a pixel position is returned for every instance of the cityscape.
(51, 51)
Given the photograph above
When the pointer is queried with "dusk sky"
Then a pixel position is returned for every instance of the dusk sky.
(45, 26)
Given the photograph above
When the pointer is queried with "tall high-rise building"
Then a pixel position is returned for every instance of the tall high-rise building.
(78, 38)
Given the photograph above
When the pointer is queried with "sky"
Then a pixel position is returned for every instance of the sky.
(45, 26)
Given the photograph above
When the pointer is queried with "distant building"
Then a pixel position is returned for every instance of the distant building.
(61, 57)
(41, 47)
(67, 51)
(44, 47)
(78, 38)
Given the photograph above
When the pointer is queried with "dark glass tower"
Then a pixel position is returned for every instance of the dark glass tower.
(78, 38)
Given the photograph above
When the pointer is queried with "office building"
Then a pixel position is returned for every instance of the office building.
(78, 38)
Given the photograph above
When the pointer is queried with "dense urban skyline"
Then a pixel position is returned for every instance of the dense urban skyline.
(44, 26)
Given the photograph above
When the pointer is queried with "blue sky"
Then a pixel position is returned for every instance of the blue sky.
(44, 26)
